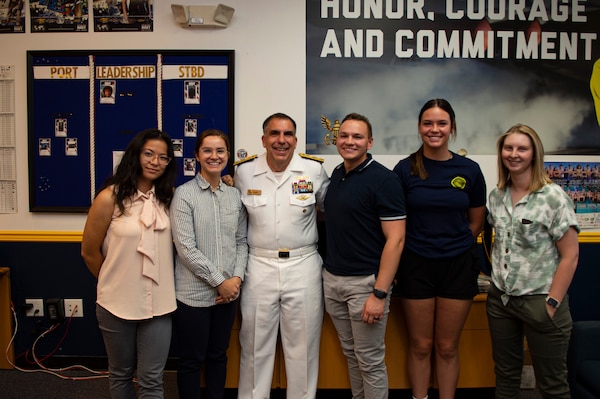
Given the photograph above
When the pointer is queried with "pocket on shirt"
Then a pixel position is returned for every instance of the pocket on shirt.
(230, 217)
(256, 205)
(530, 232)
(302, 206)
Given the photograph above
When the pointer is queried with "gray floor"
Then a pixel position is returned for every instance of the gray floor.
(39, 385)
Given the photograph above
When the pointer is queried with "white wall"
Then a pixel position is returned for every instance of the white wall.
(268, 37)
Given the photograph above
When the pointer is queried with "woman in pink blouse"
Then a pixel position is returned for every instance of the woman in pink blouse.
(127, 245)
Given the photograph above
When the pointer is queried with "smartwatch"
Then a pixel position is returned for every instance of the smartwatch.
(379, 293)
(552, 302)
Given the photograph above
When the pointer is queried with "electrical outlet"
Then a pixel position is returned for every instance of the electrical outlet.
(38, 307)
(55, 309)
(73, 308)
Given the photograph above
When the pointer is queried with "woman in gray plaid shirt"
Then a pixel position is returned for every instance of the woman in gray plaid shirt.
(209, 225)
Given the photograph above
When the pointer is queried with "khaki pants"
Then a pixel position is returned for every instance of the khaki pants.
(363, 344)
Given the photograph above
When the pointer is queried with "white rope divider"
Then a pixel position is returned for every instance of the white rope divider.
(92, 127)
(159, 103)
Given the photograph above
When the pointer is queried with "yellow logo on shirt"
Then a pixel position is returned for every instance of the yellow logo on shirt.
(459, 182)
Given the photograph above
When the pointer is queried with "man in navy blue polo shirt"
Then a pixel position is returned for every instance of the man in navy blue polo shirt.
(365, 221)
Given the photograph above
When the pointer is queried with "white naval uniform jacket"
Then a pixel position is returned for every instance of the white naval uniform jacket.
(282, 214)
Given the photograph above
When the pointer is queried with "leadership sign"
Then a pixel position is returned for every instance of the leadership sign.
(497, 62)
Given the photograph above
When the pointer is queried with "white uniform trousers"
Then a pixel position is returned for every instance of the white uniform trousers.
(286, 294)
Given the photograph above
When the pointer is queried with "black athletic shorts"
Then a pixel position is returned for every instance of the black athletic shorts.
(454, 278)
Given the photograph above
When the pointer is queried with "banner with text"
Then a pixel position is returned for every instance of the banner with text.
(497, 62)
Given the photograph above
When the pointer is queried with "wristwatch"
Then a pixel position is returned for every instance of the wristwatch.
(379, 294)
(552, 302)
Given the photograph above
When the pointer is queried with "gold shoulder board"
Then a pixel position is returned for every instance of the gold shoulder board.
(312, 157)
(244, 160)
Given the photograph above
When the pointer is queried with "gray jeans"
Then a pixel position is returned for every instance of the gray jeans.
(547, 339)
(362, 343)
(128, 343)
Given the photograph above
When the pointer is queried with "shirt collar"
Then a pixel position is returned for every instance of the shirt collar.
(360, 167)
(263, 167)
(204, 185)
(526, 197)
(140, 194)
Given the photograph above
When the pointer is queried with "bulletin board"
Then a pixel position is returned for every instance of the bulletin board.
(84, 107)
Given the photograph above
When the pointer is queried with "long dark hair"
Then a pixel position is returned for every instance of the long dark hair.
(416, 159)
(125, 179)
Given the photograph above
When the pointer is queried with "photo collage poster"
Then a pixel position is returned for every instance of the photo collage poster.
(12, 16)
(581, 182)
(74, 15)
(123, 16)
(58, 15)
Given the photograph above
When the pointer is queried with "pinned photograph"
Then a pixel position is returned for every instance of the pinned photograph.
(60, 127)
(117, 156)
(44, 147)
(191, 92)
(107, 91)
(71, 147)
(178, 147)
(189, 166)
(191, 128)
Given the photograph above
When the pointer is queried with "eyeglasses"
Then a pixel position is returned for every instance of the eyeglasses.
(150, 156)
